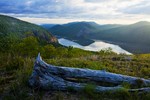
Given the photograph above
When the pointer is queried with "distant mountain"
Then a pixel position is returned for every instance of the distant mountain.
(133, 38)
(47, 26)
(79, 31)
(21, 29)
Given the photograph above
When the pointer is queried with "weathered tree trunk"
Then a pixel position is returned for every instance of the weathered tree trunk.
(50, 77)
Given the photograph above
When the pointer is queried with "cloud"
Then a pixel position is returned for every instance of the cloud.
(96, 1)
(76, 9)
(140, 8)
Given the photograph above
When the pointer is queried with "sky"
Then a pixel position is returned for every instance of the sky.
(64, 11)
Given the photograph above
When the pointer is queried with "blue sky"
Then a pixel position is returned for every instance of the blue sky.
(63, 11)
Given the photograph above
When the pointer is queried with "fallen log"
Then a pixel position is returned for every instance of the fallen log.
(51, 77)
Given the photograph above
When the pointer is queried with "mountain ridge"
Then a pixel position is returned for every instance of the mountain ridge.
(133, 37)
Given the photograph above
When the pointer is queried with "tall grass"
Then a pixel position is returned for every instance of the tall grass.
(16, 69)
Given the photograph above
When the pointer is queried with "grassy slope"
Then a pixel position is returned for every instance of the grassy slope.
(15, 72)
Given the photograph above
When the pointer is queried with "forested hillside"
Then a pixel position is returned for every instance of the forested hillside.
(20, 29)
(133, 38)
(79, 31)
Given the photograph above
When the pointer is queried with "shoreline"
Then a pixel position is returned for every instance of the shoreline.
(97, 45)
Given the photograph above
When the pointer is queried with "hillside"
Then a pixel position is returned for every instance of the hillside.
(16, 70)
(78, 31)
(47, 26)
(133, 38)
(17, 57)
(21, 29)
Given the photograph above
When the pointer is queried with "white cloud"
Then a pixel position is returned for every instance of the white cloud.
(103, 10)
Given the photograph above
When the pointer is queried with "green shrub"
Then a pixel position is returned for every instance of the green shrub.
(49, 51)
(126, 85)
(28, 47)
(121, 94)
(139, 83)
(145, 72)
(89, 90)
(14, 63)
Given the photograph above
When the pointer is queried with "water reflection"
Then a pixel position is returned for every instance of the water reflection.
(96, 46)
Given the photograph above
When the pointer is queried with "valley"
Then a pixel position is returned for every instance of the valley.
(133, 38)
(96, 46)
(21, 41)
(74, 50)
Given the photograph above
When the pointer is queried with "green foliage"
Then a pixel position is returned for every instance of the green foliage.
(49, 51)
(28, 47)
(8, 42)
(118, 34)
(18, 56)
(86, 31)
(107, 51)
(21, 29)
(61, 52)
(145, 72)
(126, 85)
(89, 91)
(122, 94)
(15, 63)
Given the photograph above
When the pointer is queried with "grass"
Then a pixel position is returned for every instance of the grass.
(16, 70)
(133, 68)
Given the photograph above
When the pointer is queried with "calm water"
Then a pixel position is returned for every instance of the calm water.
(96, 46)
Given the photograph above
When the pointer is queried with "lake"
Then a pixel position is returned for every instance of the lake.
(96, 46)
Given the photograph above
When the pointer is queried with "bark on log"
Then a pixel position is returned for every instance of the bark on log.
(51, 77)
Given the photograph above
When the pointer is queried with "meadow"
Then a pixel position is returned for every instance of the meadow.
(17, 60)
